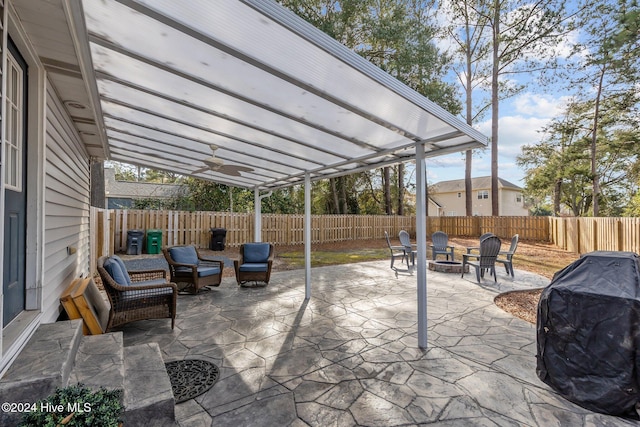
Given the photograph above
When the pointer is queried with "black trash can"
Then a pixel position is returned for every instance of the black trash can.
(135, 242)
(588, 336)
(218, 239)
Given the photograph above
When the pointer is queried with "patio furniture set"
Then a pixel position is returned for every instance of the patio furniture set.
(482, 258)
(142, 295)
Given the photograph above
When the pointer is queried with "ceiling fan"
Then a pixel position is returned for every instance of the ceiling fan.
(216, 164)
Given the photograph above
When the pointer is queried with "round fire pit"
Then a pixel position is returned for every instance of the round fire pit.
(447, 267)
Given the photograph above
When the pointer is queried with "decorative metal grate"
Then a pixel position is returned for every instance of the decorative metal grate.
(191, 377)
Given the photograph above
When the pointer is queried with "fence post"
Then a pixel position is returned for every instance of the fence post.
(475, 226)
(595, 235)
(620, 235)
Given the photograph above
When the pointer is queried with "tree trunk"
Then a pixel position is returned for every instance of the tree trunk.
(400, 209)
(468, 157)
(556, 197)
(594, 140)
(426, 193)
(334, 194)
(343, 195)
(468, 188)
(494, 109)
(387, 190)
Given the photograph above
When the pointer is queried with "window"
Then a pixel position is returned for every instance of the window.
(13, 136)
(459, 195)
(451, 213)
(518, 198)
(483, 194)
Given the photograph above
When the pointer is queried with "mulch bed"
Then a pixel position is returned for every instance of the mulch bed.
(522, 304)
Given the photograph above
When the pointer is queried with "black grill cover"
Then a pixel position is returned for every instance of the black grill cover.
(587, 330)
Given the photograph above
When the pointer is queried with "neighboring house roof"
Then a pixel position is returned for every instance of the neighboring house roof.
(479, 183)
(139, 190)
(435, 202)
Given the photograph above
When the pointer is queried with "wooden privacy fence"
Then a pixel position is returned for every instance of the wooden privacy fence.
(528, 227)
(110, 227)
(582, 235)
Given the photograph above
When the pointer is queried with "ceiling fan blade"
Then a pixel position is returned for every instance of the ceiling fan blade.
(234, 170)
(197, 171)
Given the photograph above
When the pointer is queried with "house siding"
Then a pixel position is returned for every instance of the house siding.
(509, 206)
(67, 206)
(446, 194)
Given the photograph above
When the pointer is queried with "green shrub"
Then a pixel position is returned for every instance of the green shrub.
(77, 406)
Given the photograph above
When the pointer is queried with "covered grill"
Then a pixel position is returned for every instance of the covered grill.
(588, 336)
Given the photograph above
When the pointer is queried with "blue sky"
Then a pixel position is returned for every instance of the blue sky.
(521, 121)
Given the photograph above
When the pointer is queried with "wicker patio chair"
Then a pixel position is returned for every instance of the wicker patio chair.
(440, 245)
(136, 295)
(187, 266)
(485, 260)
(254, 264)
(508, 260)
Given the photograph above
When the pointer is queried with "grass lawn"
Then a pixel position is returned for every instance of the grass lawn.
(536, 257)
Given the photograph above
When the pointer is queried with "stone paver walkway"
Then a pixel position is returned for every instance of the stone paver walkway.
(349, 356)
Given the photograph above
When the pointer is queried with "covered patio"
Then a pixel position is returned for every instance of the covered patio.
(349, 355)
(189, 89)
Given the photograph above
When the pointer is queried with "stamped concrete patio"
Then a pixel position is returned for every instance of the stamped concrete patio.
(349, 356)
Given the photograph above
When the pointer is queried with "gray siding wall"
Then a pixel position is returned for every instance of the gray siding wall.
(67, 200)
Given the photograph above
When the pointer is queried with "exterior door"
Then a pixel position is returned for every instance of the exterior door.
(15, 182)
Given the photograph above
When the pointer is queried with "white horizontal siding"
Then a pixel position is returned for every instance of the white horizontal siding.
(67, 192)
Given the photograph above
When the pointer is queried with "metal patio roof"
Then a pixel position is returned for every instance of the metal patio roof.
(274, 94)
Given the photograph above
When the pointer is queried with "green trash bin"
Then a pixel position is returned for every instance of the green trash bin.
(154, 241)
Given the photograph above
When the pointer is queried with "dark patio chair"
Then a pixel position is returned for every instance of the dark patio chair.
(477, 248)
(254, 264)
(410, 250)
(397, 252)
(440, 245)
(136, 295)
(485, 260)
(189, 267)
(508, 260)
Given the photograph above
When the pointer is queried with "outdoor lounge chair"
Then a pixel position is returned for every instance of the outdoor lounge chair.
(409, 248)
(136, 295)
(440, 245)
(397, 252)
(485, 260)
(254, 264)
(477, 248)
(508, 260)
(187, 266)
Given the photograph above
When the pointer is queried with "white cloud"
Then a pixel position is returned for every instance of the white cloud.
(539, 105)
(515, 131)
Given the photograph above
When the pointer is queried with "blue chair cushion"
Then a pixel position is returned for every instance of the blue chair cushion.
(184, 254)
(115, 271)
(118, 260)
(208, 271)
(256, 252)
(254, 267)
